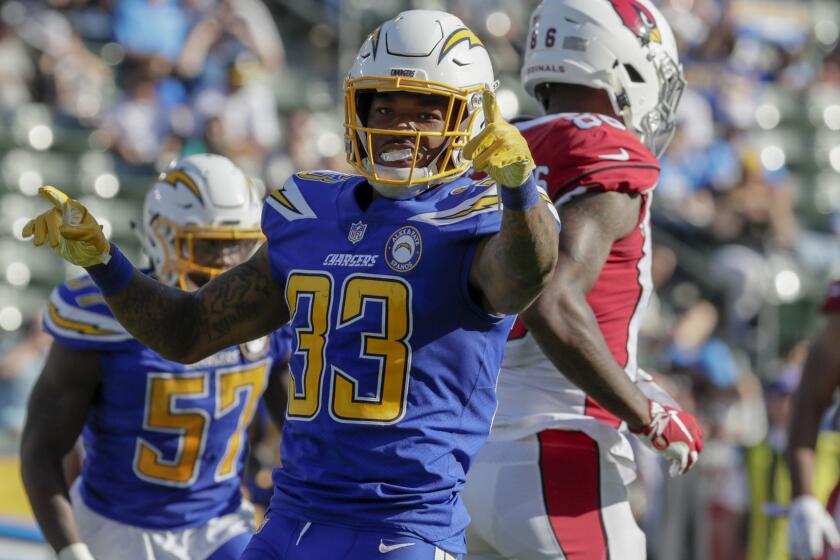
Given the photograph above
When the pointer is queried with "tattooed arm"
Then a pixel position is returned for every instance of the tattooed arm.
(242, 304)
(511, 268)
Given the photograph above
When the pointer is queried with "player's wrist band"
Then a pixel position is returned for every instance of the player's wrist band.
(75, 551)
(114, 276)
(522, 197)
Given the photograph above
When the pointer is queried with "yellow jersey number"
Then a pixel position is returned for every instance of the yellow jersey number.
(163, 414)
(311, 294)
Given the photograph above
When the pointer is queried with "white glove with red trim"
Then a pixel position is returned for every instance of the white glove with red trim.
(673, 433)
(810, 526)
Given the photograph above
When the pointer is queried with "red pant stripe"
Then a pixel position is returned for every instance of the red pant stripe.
(570, 469)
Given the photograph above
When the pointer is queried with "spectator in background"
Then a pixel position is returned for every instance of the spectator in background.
(16, 69)
(139, 126)
(20, 362)
(81, 82)
(243, 124)
(769, 478)
(693, 165)
(769, 482)
(708, 509)
(223, 33)
(152, 30)
(218, 39)
(758, 211)
(810, 525)
(227, 59)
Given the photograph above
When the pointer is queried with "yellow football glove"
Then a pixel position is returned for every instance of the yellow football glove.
(500, 150)
(69, 229)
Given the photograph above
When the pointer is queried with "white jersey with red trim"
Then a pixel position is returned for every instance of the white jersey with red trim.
(579, 153)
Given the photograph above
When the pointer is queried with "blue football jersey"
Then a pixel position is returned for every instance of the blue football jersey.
(394, 364)
(164, 442)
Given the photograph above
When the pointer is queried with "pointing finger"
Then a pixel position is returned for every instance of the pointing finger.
(40, 230)
(74, 213)
(52, 221)
(28, 229)
(54, 196)
(491, 108)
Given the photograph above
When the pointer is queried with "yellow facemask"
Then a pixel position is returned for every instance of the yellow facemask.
(182, 254)
(459, 118)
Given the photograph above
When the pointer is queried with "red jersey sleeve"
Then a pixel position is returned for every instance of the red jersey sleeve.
(582, 152)
(832, 301)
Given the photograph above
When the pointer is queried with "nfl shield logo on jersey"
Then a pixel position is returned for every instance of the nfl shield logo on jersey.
(357, 231)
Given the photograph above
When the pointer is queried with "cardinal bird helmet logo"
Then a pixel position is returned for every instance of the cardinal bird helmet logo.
(638, 18)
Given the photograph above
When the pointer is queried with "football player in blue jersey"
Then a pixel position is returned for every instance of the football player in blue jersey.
(164, 442)
(400, 284)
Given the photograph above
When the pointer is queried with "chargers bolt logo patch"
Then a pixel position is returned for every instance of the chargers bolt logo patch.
(403, 249)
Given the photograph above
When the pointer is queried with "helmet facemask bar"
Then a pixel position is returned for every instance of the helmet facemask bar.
(179, 249)
(446, 165)
(659, 125)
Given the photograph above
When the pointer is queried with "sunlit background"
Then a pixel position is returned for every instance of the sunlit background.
(97, 96)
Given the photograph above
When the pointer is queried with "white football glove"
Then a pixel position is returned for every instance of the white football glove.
(674, 433)
(810, 526)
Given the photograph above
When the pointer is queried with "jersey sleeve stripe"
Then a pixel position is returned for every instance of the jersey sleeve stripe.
(69, 317)
(77, 326)
(487, 201)
(281, 198)
(79, 283)
(481, 204)
(289, 202)
(89, 299)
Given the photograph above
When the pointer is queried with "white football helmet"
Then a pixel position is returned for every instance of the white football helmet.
(419, 51)
(201, 217)
(624, 47)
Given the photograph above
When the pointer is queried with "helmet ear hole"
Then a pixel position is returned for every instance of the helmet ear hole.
(541, 92)
(634, 74)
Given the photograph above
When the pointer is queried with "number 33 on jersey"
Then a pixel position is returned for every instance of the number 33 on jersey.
(390, 352)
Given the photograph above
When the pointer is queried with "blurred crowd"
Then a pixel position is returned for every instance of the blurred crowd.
(747, 214)
(746, 240)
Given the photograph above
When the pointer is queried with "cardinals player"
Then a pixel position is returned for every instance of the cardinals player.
(810, 526)
(551, 481)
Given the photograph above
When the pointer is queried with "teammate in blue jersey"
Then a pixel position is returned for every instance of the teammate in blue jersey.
(164, 442)
(400, 284)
